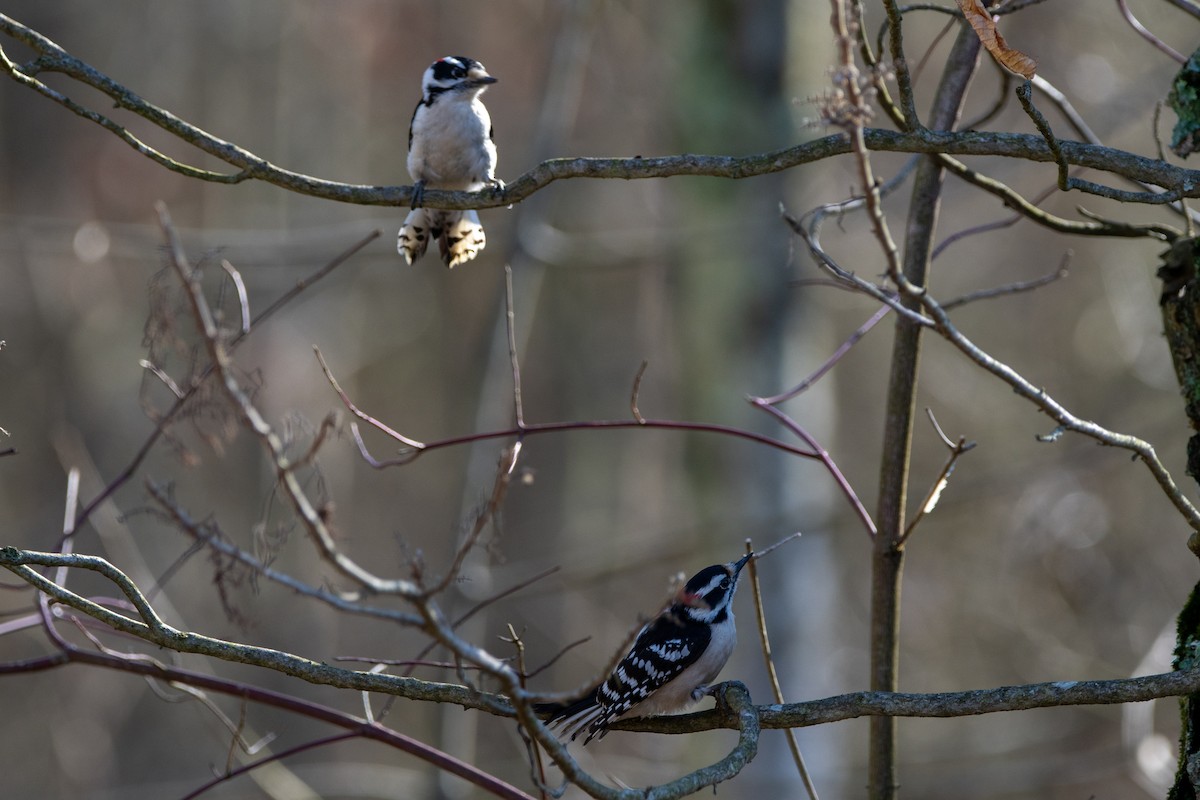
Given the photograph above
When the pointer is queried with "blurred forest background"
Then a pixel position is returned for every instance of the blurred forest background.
(1043, 562)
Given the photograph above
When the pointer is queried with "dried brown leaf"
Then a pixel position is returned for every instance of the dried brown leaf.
(985, 28)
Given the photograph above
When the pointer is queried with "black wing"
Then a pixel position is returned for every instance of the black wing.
(413, 119)
(663, 650)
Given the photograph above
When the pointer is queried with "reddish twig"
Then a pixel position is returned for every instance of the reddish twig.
(825, 458)
(832, 360)
(282, 754)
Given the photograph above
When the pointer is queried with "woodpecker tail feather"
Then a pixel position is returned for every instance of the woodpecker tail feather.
(574, 717)
(459, 235)
(413, 238)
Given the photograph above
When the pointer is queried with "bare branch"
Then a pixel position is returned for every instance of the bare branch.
(230, 774)
(165, 420)
(1067, 182)
(416, 448)
(1066, 420)
(943, 704)
(220, 359)
(243, 297)
(842, 349)
(826, 459)
(248, 166)
(504, 470)
(637, 388)
(1013, 288)
(833, 709)
(166, 379)
(956, 448)
(765, 641)
(510, 323)
(1145, 33)
(362, 729)
(211, 539)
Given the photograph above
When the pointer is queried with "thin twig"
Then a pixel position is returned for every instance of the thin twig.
(765, 642)
(243, 296)
(504, 469)
(825, 458)
(1014, 288)
(510, 322)
(249, 166)
(844, 276)
(356, 411)
(1066, 420)
(1145, 33)
(562, 651)
(161, 374)
(853, 117)
(219, 357)
(637, 388)
(1067, 182)
(328, 424)
(535, 753)
(207, 535)
(164, 421)
(536, 428)
(230, 774)
(956, 448)
(832, 360)
(767, 551)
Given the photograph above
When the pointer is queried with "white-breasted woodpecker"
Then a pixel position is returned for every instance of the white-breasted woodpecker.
(449, 147)
(670, 663)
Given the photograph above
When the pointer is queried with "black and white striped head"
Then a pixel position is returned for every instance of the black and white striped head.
(708, 595)
(454, 76)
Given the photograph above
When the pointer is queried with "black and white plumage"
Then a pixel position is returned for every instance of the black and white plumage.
(449, 147)
(669, 665)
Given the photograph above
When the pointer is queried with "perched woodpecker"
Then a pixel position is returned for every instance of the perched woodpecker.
(449, 147)
(670, 664)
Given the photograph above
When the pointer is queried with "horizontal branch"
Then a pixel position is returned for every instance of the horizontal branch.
(249, 166)
(943, 704)
(153, 630)
(790, 715)
(355, 726)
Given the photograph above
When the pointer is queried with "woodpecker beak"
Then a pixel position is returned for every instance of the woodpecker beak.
(743, 561)
(479, 77)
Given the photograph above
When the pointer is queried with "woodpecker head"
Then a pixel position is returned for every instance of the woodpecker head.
(708, 595)
(455, 76)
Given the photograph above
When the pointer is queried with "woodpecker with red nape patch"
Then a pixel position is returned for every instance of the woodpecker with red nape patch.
(669, 665)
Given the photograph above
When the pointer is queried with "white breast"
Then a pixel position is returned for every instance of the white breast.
(451, 148)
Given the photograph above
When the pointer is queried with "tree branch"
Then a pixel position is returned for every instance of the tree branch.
(249, 166)
(943, 704)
